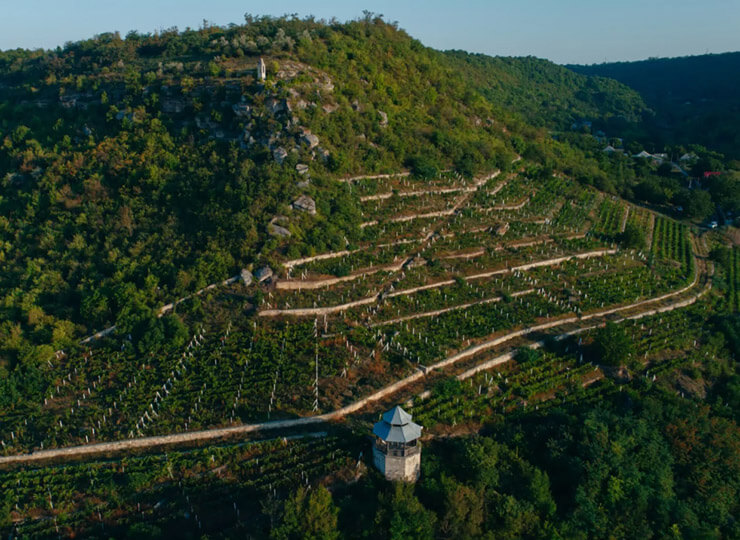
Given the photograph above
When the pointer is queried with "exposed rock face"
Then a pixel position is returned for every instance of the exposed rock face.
(263, 274)
(301, 168)
(277, 230)
(277, 105)
(383, 119)
(279, 154)
(246, 276)
(304, 203)
(310, 139)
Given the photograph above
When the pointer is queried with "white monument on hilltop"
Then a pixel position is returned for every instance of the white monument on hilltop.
(261, 70)
(397, 451)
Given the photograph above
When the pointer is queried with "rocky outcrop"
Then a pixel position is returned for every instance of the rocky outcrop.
(301, 168)
(242, 110)
(279, 154)
(277, 230)
(383, 119)
(263, 273)
(309, 138)
(304, 203)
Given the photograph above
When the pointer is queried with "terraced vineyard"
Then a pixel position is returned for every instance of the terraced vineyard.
(671, 243)
(471, 269)
(334, 329)
(226, 484)
(511, 388)
(564, 372)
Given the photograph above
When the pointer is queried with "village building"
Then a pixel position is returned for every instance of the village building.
(261, 70)
(397, 451)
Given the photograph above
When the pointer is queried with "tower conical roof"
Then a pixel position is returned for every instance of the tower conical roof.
(396, 426)
(397, 416)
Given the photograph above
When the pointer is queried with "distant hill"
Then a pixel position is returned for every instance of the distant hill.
(695, 98)
(546, 94)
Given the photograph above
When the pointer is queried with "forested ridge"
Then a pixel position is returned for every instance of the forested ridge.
(693, 99)
(548, 95)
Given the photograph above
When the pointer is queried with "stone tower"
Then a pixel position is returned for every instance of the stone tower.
(397, 451)
(261, 70)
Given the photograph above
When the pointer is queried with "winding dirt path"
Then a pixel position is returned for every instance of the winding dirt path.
(375, 177)
(465, 255)
(299, 284)
(451, 308)
(322, 257)
(390, 293)
(123, 446)
(439, 191)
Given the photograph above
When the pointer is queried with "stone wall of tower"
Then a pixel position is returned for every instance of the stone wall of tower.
(406, 468)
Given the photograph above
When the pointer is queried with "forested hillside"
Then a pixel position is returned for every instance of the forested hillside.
(694, 98)
(548, 95)
(136, 170)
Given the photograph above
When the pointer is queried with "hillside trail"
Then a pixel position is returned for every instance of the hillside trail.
(435, 231)
(168, 307)
(392, 292)
(572, 325)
